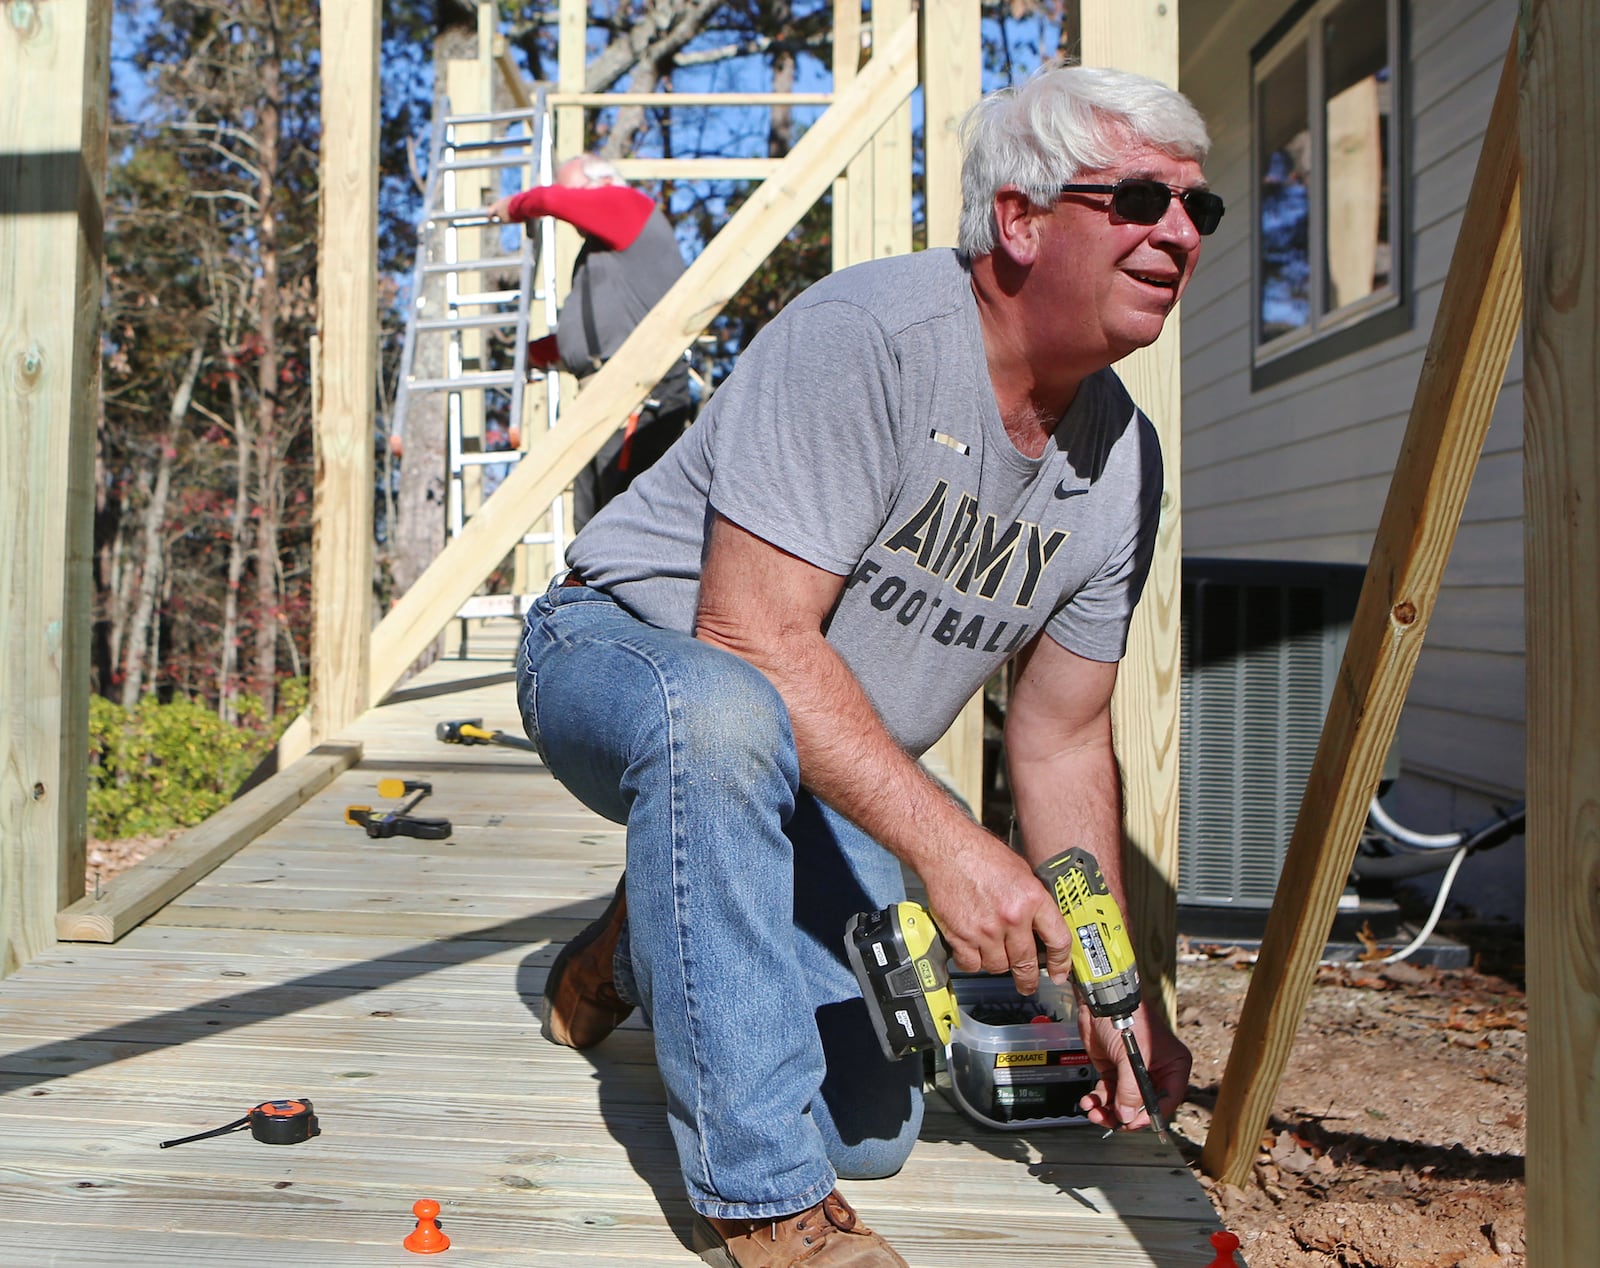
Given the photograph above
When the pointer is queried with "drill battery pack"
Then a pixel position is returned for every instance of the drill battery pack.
(899, 957)
(1014, 1063)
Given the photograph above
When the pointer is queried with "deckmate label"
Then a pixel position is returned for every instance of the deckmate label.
(1018, 1058)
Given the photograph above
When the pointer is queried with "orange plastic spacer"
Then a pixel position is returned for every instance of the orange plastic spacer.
(427, 1238)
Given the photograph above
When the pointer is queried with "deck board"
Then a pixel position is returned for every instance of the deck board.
(396, 983)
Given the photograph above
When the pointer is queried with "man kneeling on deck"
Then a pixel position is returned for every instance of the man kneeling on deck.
(922, 468)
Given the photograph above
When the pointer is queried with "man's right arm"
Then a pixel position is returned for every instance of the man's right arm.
(612, 215)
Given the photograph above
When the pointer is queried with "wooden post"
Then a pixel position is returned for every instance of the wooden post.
(572, 57)
(1479, 313)
(572, 61)
(951, 66)
(55, 64)
(728, 260)
(1561, 473)
(347, 287)
(1143, 37)
(858, 175)
(891, 149)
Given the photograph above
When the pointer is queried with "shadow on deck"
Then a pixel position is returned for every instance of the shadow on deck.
(395, 983)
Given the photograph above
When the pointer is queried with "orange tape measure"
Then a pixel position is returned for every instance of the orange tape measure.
(286, 1122)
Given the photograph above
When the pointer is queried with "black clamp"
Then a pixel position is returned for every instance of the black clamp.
(399, 823)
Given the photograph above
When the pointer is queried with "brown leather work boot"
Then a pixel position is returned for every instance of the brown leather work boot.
(829, 1235)
(581, 1004)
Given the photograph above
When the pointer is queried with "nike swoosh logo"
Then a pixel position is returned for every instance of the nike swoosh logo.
(1063, 492)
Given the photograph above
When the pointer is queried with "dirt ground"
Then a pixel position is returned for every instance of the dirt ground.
(1396, 1139)
(106, 858)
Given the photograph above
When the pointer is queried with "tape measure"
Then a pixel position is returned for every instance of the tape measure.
(283, 1122)
(286, 1122)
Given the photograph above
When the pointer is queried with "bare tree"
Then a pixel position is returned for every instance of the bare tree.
(152, 566)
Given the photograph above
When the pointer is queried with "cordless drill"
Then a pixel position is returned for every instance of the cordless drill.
(1102, 956)
(901, 961)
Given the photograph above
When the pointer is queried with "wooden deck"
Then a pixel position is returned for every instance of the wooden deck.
(396, 984)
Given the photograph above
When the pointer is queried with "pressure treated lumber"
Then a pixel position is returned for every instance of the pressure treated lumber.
(683, 100)
(1143, 38)
(696, 169)
(1561, 473)
(857, 174)
(951, 77)
(556, 455)
(952, 55)
(1479, 314)
(54, 65)
(150, 885)
(891, 145)
(347, 329)
(511, 74)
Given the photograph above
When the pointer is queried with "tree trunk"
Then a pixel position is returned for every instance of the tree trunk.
(268, 443)
(141, 638)
(665, 28)
(780, 128)
(631, 123)
(238, 549)
(106, 512)
(120, 599)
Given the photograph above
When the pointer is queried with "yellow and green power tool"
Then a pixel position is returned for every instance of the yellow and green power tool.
(902, 963)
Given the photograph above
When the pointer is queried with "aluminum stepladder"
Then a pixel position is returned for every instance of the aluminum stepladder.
(482, 146)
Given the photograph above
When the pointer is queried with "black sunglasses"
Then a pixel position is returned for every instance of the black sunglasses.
(1144, 202)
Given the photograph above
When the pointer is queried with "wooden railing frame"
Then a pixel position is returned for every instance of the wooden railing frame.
(55, 64)
(554, 457)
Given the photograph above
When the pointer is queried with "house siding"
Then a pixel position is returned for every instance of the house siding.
(1300, 469)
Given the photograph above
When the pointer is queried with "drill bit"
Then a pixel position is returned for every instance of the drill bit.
(1147, 1089)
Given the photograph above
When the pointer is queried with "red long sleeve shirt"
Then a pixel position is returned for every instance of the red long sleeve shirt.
(611, 214)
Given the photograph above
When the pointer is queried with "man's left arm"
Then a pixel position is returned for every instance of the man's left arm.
(1067, 791)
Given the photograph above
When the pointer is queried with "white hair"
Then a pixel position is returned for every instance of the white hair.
(1060, 122)
(598, 171)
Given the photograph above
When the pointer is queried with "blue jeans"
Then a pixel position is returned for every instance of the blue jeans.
(739, 886)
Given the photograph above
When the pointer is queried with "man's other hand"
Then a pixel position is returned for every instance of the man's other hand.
(1116, 1102)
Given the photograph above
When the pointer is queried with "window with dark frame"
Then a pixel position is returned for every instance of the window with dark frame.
(1327, 155)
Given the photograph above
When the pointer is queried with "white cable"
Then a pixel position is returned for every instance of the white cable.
(1433, 916)
(1422, 840)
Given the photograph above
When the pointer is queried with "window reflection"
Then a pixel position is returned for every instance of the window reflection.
(1284, 199)
(1357, 118)
(1327, 158)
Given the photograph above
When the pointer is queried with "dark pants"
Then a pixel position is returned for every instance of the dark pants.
(623, 457)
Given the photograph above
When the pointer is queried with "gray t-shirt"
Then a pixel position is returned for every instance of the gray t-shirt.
(859, 432)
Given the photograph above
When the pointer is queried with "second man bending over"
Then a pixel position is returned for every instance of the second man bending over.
(629, 260)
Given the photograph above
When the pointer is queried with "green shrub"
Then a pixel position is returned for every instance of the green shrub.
(161, 766)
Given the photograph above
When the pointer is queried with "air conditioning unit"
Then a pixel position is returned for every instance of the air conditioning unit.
(1262, 642)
